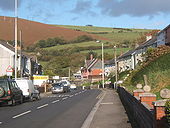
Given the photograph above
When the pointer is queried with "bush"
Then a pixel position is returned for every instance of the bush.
(167, 111)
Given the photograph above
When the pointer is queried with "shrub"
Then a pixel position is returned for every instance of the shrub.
(167, 111)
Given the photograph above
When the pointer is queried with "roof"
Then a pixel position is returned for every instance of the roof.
(10, 47)
(130, 52)
(5, 44)
(164, 29)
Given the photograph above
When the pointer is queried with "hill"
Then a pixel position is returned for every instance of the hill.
(34, 31)
(157, 70)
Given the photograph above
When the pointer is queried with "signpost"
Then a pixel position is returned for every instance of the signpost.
(9, 71)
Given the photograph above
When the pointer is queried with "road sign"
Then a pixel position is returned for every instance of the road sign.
(9, 71)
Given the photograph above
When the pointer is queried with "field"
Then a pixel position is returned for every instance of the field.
(115, 35)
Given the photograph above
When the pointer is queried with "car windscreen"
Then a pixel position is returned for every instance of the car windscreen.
(4, 84)
(57, 85)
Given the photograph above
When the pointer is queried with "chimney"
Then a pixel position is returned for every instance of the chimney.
(91, 56)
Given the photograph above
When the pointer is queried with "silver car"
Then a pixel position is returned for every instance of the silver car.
(59, 88)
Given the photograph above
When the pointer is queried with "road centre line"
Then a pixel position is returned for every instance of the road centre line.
(55, 101)
(21, 114)
(42, 106)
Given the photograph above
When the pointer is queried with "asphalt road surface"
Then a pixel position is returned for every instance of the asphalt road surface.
(66, 110)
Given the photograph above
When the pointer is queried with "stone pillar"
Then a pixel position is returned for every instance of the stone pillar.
(137, 92)
(159, 108)
(148, 98)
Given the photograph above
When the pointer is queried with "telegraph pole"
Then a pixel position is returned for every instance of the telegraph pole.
(102, 66)
(20, 53)
(16, 30)
(115, 65)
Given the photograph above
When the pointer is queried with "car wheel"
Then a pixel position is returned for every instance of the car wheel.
(1, 91)
(38, 97)
(13, 102)
(21, 100)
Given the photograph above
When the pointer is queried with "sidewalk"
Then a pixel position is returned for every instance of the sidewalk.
(110, 113)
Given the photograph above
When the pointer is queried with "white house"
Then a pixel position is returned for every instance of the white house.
(7, 58)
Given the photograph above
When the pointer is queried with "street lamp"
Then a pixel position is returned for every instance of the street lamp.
(102, 64)
(115, 66)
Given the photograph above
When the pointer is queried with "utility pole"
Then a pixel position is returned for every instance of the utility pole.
(16, 30)
(102, 66)
(21, 53)
(69, 73)
(115, 65)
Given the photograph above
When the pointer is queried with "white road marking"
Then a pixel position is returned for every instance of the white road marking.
(55, 101)
(0, 122)
(76, 94)
(42, 106)
(64, 98)
(21, 114)
(71, 96)
(107, 103)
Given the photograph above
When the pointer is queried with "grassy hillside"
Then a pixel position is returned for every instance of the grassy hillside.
(115, 35)
(157, 72)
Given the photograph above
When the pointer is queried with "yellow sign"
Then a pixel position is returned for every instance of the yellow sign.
(40, 77)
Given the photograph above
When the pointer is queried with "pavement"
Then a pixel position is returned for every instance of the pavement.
(108, 112)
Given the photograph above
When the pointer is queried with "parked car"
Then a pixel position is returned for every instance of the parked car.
(10, 93)
(59, 88)
(29, 90)
(73, 87)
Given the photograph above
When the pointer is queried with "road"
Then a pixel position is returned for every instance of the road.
(67, 110)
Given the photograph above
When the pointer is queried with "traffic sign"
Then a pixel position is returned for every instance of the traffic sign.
(9, 71)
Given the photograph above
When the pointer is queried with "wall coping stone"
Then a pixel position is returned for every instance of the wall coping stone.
(147, 95)
(138, 90)
(160, 103)
(146, 105)
(137, 97)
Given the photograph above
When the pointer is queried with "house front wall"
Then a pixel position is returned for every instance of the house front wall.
(161, 38)
(167, 37)
(6, 59)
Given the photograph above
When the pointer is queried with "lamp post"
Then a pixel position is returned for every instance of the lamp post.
(16, 27)
(102, 64)
(115, 66)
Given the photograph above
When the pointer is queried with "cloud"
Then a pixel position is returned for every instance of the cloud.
(74, 18)
(9, 5)
(136, 8)
(83, 6)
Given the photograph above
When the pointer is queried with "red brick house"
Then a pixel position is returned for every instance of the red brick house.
(92, 69)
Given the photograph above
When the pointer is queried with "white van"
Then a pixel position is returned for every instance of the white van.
(29, 90)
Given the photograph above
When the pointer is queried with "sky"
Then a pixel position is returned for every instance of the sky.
(148, 14)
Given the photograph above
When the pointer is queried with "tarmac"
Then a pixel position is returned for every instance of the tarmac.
(108, 112)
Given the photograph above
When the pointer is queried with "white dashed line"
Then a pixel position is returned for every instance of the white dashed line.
(0, 122)
(21, 114)
(42, 106)
(55, 101)
(64, 98)
(71, 96)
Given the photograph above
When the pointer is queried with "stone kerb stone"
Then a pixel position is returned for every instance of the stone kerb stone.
(165, 93)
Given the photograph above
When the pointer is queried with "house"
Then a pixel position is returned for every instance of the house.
(25, 63)
(92, 70)
(132, 58)
(163, 37)
(109, 67)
